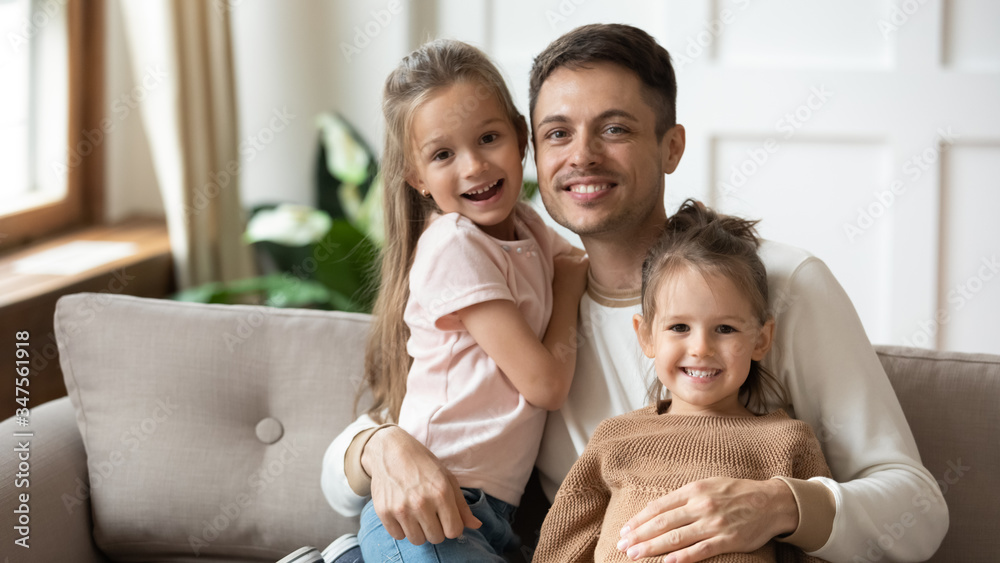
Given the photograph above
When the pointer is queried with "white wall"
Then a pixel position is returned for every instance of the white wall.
(289, 54)
(918, 274)
(130, 183)
(853, 97)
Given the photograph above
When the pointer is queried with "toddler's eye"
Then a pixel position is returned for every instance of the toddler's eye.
(679, 328)
(441, 155)
(488, 138)
(726, 329)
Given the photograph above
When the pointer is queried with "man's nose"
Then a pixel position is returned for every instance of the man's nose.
(587, 151)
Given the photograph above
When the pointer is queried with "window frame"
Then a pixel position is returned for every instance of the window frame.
(83, 203)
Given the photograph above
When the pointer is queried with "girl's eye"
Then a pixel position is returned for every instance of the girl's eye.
(679, 328)
(488, 138)
(726, 329)
(441, 155)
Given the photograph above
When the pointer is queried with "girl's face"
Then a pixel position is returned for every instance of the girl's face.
(466, 153)
(702, 339)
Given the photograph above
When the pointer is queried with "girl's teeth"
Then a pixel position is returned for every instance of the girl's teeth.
(700, 373)
(486, 189)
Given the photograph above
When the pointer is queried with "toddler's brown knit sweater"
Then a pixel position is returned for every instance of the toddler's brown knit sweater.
(640, 456)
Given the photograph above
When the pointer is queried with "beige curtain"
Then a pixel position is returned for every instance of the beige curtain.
(182, 61)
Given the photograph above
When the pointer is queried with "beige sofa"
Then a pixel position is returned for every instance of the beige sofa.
(196, 433)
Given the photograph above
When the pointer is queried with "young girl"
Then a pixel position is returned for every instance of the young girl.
(471, 281)
(705, 324)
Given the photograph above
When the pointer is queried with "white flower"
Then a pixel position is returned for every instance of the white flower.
(289, 224)
(346, 159)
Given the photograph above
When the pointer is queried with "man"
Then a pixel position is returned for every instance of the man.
(602, 101)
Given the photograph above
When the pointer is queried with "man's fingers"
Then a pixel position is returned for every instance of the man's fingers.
(450, 515)
(393, 527)
(653, 509)
(431, 527)
(669, 541)
(411, 530)
(670, 530)
(697, 552)
(468, 519)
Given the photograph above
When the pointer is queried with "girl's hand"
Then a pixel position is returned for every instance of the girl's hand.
(571, 273)
(414, 495)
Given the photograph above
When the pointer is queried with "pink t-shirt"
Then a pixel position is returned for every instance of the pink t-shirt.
(458, 402)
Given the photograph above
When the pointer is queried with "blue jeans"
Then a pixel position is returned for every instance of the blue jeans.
(485, 544)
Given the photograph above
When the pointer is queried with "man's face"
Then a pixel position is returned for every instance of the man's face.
(600, 164)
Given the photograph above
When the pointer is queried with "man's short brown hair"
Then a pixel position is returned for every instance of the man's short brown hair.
(624, 45)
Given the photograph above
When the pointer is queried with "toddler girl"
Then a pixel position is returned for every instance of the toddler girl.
(476, 315)
(705, 324)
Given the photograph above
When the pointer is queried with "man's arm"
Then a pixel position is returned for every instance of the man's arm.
(334, 480)
(414, 495)
(837, 385)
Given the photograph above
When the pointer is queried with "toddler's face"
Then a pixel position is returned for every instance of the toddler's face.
(466, 153)
(702, 339)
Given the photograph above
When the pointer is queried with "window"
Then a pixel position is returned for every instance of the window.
(34, 102)
(51, 68)
(14, 99)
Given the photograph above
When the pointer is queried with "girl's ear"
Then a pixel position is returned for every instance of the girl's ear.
(642, 333)
(414, 181)
(765, 337)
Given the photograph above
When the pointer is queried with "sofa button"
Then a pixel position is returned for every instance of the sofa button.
(269, 430)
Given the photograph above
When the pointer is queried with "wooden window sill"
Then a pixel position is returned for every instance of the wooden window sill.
(28, 300)
(151, 244)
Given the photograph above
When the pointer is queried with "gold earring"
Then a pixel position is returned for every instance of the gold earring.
(425, 193)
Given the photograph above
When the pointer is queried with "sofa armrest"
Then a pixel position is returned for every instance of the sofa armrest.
(56, 482)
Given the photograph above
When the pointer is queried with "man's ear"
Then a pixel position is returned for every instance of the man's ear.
(672, 148)
(765, 337)
(642, 332)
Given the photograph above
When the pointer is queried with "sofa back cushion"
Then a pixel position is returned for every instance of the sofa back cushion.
(952, 403)
(205, 425)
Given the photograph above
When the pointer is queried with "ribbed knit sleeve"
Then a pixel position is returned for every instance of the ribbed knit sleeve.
(573, 524)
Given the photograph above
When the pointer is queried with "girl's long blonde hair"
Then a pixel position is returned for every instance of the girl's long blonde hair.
(422, 73)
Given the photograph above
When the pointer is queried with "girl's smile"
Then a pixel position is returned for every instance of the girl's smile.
(470, 161)
(702, 340)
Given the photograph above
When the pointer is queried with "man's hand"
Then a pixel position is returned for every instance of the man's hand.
(415, 496)
(709, 517)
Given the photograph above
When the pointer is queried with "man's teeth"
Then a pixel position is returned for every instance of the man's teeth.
(484, 190)
(700, 373)
(588, 188)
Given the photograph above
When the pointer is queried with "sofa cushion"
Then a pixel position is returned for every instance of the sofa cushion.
(951, 403)
(205, 425)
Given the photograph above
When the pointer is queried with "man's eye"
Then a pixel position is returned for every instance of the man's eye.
(678, 328)
(616, 130)
(557, 134)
